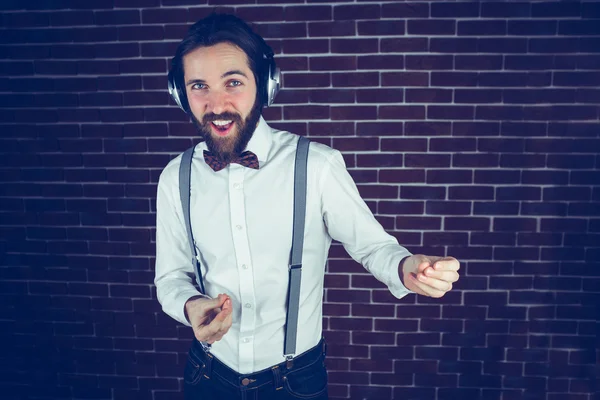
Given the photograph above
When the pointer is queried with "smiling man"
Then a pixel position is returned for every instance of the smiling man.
(241, 206)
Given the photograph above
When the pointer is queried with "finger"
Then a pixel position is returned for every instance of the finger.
(207, 332)
(448, 276)
(447, 263)
(436, 284)
(424, 264)
(214, 304)
(424, 289)
(224, 312)
(218, 331)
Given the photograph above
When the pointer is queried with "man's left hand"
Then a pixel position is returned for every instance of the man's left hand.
(429, 275)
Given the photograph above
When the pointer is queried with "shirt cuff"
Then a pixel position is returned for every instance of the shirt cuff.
(180, 300)
(396, 287)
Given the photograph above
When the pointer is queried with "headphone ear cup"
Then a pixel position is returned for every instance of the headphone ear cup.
(272, 82)
(175, 92)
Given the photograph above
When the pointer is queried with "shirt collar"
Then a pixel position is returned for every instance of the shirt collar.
(261, 140)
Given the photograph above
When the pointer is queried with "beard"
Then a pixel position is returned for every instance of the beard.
(231, 146)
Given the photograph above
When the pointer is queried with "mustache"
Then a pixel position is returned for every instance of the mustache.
(207, 118)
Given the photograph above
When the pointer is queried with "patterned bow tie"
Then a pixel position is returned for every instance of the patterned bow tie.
(247, 159)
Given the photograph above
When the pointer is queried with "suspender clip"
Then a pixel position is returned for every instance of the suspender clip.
(289, 361)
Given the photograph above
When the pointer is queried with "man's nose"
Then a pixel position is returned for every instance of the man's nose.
(217, 102)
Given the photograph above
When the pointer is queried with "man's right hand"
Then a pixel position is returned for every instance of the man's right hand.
(210, 318)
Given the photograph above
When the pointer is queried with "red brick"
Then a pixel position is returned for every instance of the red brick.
(479, 62)
(431, 27)
(354, 46)
(400, 45)
(129, 33)
(427, 160)
(405, 10)
(353, 79)
(379, 62)
(164, 15)
(306, 112)
(404, 79)
(401, 207)
(379, 160)
(330, 96)
(332, 28)
(445, 238)
(384, 128)
(498, 9)
(422, 192)
(450, 112)
(458, 9)
(482, 28)
(304, 80)
(331, 128)
(448, 208)
(333, 63)
(117, 50)
(379, 95)
(262, 13)
(117, 17)
(454, 45)
(403, 176)
(292, 64)
(471, 192)
(353, 112)
(428, 96)
(354, 12)
(401, 112)
(307, 13)
(381, 28)
(288, 30)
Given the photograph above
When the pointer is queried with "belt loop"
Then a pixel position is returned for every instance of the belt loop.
(208, 366)
(277, 377)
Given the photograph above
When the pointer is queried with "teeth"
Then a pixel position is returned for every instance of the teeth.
(221, 123)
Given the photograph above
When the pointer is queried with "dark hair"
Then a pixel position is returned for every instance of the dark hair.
(222, 28)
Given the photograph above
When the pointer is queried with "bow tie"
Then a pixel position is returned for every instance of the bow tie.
(247, 159)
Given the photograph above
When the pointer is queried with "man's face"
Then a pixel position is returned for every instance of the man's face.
(222, 95)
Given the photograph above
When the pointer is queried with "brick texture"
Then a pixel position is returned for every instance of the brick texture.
(470, 127)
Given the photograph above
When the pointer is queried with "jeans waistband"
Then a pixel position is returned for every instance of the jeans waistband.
(272, 374)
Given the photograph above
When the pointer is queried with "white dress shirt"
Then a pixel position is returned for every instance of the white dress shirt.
(242, 225)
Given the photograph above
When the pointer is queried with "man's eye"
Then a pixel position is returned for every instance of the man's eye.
(234, 83)
(198, 86)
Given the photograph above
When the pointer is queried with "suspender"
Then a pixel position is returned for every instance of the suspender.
(295, 267)
(185, 175)
(293, 301)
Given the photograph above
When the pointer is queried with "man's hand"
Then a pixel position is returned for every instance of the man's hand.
(429, 275)
(210, 318)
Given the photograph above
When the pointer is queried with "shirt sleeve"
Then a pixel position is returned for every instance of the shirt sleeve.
(350, 221)
(174, 270)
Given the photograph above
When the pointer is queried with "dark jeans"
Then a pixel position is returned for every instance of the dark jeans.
(206, 378)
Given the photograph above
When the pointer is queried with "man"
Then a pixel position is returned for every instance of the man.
(241, 204)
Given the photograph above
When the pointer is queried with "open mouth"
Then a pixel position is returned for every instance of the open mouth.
(222, 127)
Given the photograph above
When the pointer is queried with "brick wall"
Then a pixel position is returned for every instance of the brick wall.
(471, 129)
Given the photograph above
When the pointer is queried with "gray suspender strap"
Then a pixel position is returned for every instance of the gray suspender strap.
(293, 300)
(185, 175)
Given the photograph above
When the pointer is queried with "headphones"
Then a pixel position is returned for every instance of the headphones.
(269, 78)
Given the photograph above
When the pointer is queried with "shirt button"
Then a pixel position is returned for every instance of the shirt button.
(236, 185)
(244, 266)
(246, 340)
(248, 305)
(238, 227)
